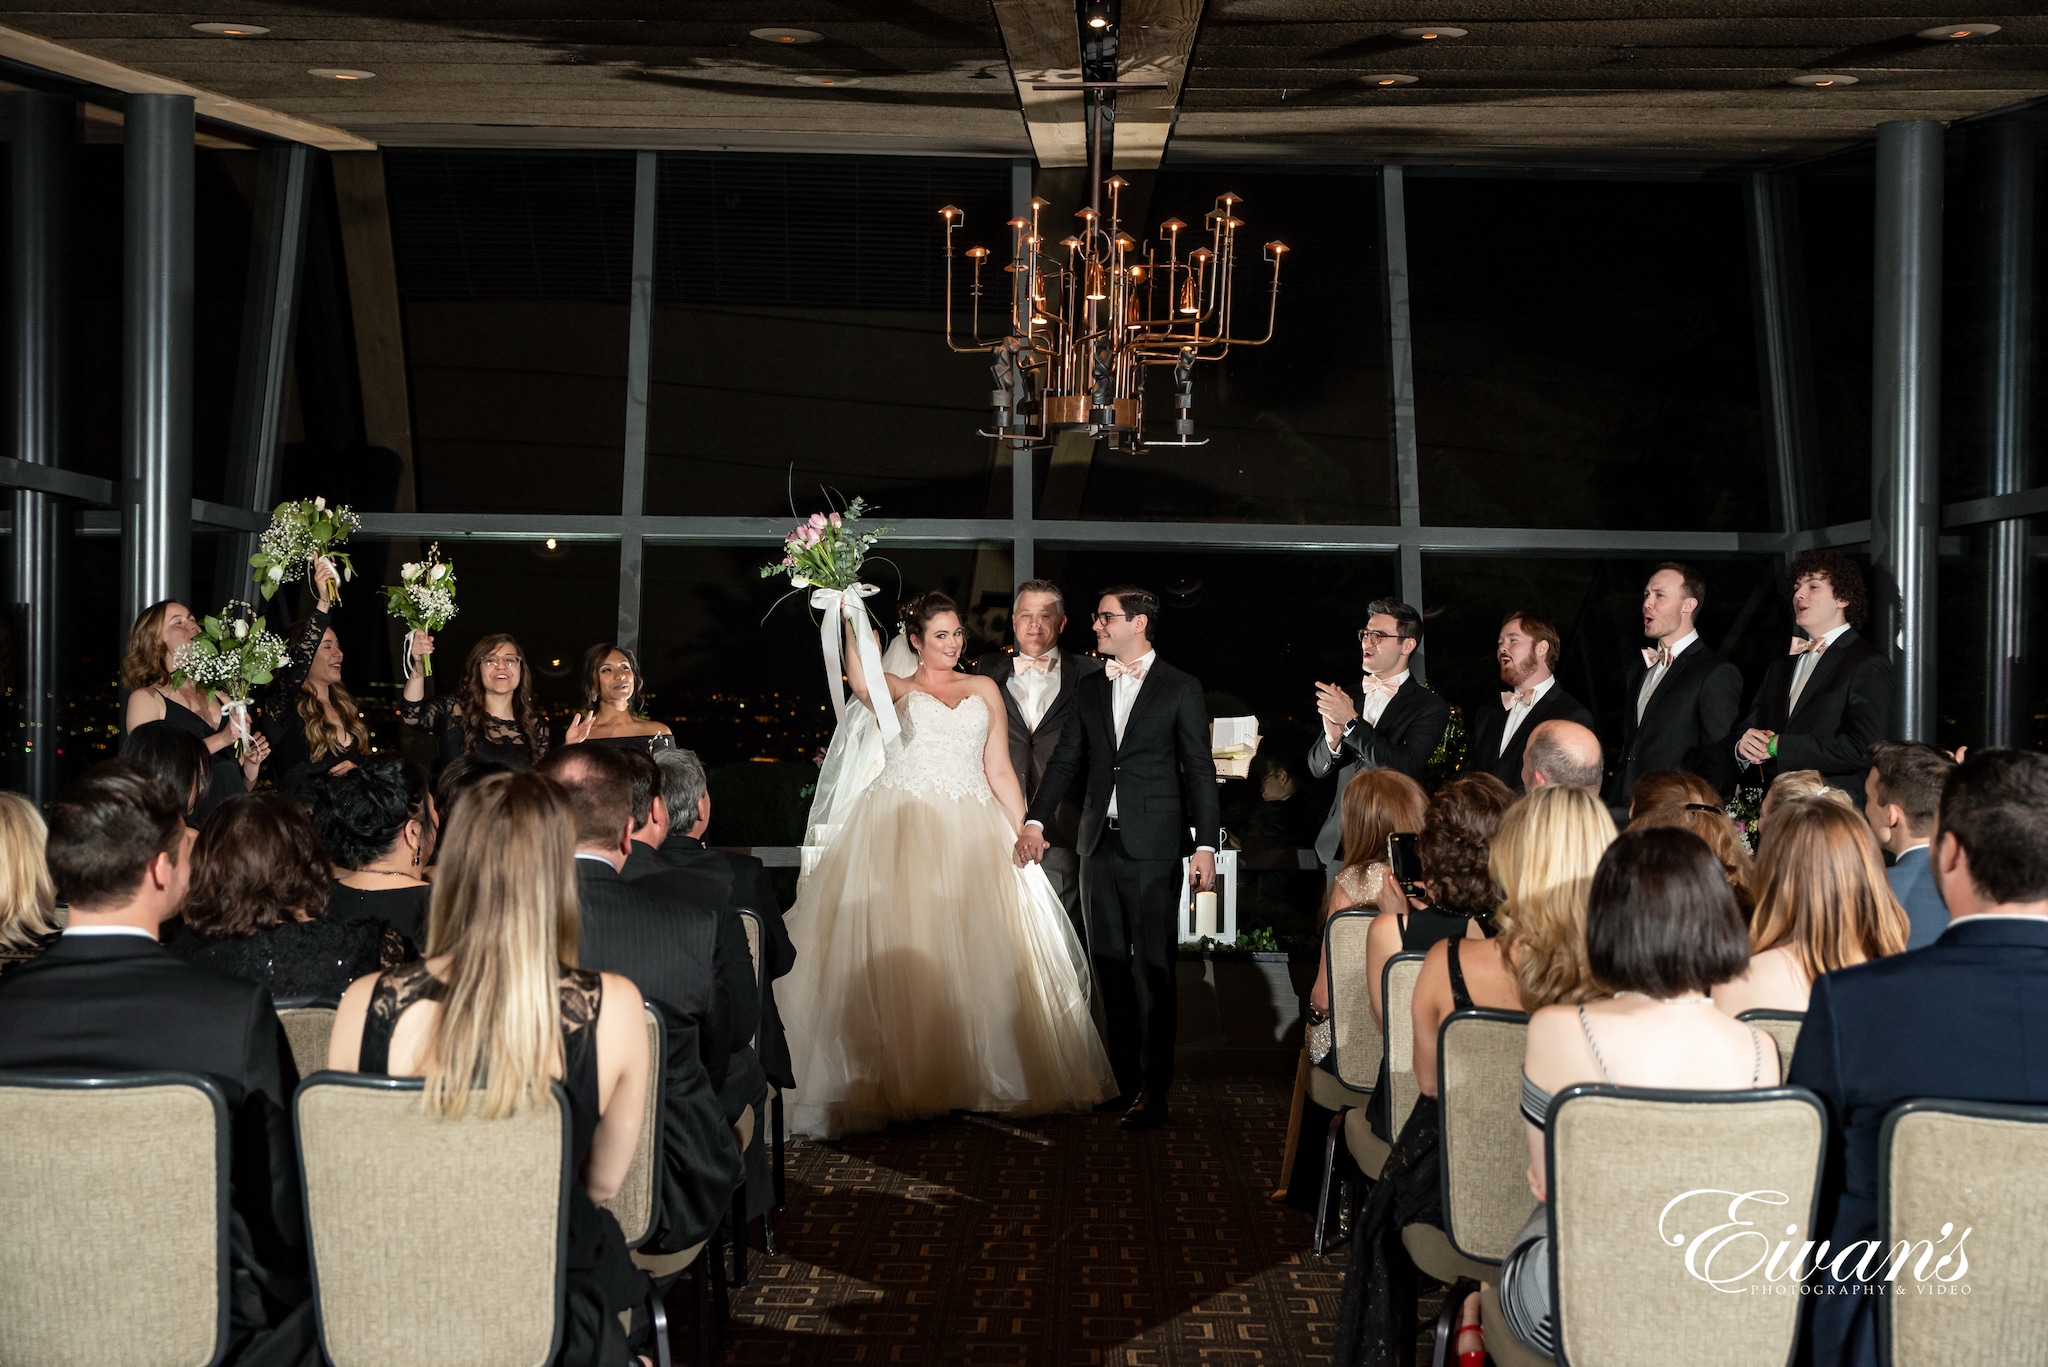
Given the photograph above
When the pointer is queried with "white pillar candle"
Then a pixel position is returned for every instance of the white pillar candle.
(1205, 913)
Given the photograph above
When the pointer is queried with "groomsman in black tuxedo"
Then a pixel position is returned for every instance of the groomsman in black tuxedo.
(1681, 699)
(1039, 683)
(1529, 651)
(1143, 738)
(1821, 706)
(1395, 724)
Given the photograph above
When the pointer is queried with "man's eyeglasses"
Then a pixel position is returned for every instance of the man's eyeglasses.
(1374, 638)
(1101, 618)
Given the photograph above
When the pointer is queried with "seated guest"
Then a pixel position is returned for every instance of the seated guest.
(28, 900)
(1377, 804)
(497, 1009)
(1899, 798)
(378, 824)
(1960, 1019)
(686, 792)
(107, 998)
(1681, 798)
(1662, 931)
(257, 907)
(1543, 859)
(674, 946)
(458, 776)
(1798, 783)
(177, 757)
(1822, 903)
(1563, 753)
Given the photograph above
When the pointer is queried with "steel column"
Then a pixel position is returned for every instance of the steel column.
(41, 127)
(1783, 354)
(156, 416)
(639, 352)
(2013, 145)
(1905, 414)
(1401, 386)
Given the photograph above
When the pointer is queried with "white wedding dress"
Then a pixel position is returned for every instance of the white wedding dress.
(932, 974)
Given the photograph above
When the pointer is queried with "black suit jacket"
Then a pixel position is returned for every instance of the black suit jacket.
(124, 1004)
(1404, 738)
(746, 879)
(1482, 752)
(1689, 723)
(1163, 773)
(1031, 749)
(1965, 1019)
(1845, 706)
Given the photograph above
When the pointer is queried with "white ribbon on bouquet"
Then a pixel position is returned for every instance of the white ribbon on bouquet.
(845, 605)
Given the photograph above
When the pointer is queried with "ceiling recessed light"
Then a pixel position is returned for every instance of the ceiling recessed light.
(1950, 33)
(1822, 80)
(827, 80)
(1431, 32)
(786, 35)
(231, 30)
(1388, 78)
(341, 73)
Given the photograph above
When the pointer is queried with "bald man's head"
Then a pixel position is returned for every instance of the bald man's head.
(1564, 754)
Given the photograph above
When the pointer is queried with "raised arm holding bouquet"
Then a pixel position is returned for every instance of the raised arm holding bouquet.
(824, 554)
(423, 599)
(301, 535)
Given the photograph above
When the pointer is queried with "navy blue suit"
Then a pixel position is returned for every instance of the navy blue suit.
(1964, 1019)
(1912, 880)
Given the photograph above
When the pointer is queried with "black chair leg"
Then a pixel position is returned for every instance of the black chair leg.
(1444, 1350)
(739, 1236)
(779, 1139)
(706, 1326)
(1329, 1166)
(657, 1313)
(721, 1302)
(768, 1233)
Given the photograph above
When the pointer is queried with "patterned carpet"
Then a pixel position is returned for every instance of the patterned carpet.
(1059, 1241)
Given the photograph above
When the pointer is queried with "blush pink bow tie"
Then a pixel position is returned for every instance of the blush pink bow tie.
(1025, 664)
(1373, 683)
(1660, 658)
(1116, 669)
(1817, 644)
(1526, 697)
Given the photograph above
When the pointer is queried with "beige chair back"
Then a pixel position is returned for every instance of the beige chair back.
(113, 1221)
(1623, 1227)
(397, 1275)
(752, 921)
(633, 1207)
(1357, 1043)
(1485, 1140)
(308, 1025)
(1783, 1028)
(1982, 1168)
(1397, 994)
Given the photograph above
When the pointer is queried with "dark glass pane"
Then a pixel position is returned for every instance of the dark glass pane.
(1584, 354)
(1297, 430)
(2032, 683)
(514, 269)
(93, 268)
(799, 336)
(1961, 660)
(224, 191)
(90, 639)
(1837, 225)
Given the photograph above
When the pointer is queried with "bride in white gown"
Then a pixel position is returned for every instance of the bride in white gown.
(932, 974)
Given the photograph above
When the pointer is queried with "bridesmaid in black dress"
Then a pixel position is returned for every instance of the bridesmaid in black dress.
(496, 687)
(314, 726)
(146, 674)
(611, 687)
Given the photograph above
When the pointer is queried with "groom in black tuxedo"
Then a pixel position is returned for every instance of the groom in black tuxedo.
(1143, 735)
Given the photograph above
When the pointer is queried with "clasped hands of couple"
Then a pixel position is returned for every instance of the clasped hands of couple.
(1032, 845)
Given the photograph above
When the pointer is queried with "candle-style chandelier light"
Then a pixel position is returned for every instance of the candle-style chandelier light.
(1085, 327)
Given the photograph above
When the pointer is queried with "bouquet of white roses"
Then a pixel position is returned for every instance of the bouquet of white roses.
(423, 599)
(301, 535)
(231, 655)
(826, 549)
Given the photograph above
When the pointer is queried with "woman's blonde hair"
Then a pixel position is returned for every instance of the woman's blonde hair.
(1543, 857)
(1821, 889)
(1375, 804)
(145, 664)
(1797, 783)
(1676, 797)
(28, 899)
(504, 911)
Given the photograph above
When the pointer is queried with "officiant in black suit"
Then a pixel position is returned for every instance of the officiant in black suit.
(1681, 699)
(1039, 682)
(1395, 724)
(1529, 650)
(1143, 739)
(1820, 706)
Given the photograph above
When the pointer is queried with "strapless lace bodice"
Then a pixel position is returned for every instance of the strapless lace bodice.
(940, 748)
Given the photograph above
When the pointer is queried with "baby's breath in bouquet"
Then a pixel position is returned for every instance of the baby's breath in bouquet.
(424, 598)
(302, 534)
(231, 655)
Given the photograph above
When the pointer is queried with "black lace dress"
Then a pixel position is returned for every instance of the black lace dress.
(658, 743)
(291, 756)
(316, 958)
(501, 741)
(602, 1280)
(224, 777)
(404, 908)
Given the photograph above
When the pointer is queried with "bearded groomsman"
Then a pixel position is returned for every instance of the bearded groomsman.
(1681, 699)
(1395, 724)
(1038, 681)
(1529, 650)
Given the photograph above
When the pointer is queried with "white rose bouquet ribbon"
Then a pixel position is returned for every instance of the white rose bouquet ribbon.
(231, 655)
(301, 535)
(824, 554)
(423, 599)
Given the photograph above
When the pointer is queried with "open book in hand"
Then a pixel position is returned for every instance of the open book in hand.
(1232, 743)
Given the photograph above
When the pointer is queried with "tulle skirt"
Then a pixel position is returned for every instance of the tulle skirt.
(933, 975)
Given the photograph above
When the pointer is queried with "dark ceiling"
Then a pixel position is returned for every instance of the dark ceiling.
(1620, 82)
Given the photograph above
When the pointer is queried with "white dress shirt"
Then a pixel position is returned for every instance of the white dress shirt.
(83, 931)
(1123, 691)
(1809, 662)
(1522, 709)
(1657, 673)
(1372, 706)
(1034, 691)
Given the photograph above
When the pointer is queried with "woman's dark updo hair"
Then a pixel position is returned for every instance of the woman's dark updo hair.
(1661, 919)
(1457, 834)
(360, 814)
(177, 757)
(917, 613)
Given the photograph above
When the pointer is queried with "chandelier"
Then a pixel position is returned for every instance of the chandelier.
(1084, 328)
